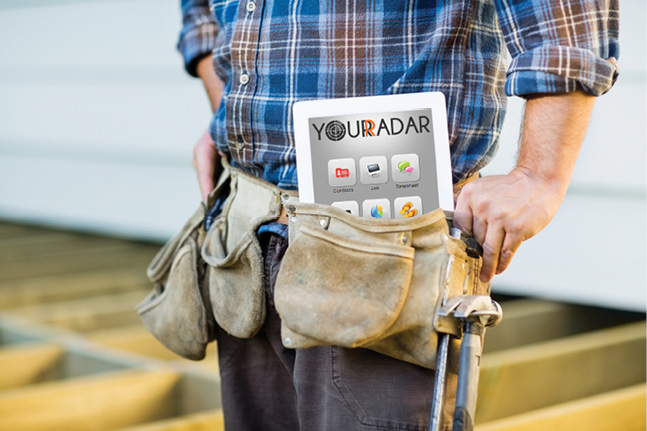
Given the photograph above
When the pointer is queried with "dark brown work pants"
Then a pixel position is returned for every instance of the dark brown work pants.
(267, 387)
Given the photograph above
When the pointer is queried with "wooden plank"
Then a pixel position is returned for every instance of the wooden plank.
(85, 314)
(38, 290)
(206, 421)
(56, 244)
(137, 339)
(17, 231)
(104, 402)
(528, 321)
(517, 380)
(25, 365)
(123, 256)
(623, 409)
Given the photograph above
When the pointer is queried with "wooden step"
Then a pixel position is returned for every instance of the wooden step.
(103, 402)
(25, 365)
(528, 378)
(528, 321)
(31, 364)
(620, 410)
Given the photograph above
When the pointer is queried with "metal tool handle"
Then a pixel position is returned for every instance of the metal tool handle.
(468, 376)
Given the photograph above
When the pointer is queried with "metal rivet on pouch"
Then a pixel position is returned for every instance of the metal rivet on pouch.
(322, 222)
(404, 239)
(286, 196)
(293, 219)
(291, 208)
(287, 341)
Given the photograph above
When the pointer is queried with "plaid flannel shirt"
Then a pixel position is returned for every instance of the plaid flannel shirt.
(272, 53)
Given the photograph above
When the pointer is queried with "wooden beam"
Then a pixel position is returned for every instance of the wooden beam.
(137, 339)
(26, 365)
(206, 421)
(528, 321)
(38, 290)
(85, 314)
(122, 256)
(527, 378)
(623, 409)
(112, 400)
(55, 244)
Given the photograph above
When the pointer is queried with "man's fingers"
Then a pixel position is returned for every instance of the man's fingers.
(204, 161)
(206, 170)
(511, 243)
(491, 251)
(463, 214)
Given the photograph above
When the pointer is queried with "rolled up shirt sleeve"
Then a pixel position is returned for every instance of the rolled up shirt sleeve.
(198, 35)
(559, 46)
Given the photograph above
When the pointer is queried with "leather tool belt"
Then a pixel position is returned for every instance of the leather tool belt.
(344, 280)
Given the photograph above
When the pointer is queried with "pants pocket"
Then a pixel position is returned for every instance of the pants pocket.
(174, 311)
(386, 393)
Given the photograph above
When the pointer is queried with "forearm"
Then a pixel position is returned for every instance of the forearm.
(502, 211)
(554, 127)
(212, 84)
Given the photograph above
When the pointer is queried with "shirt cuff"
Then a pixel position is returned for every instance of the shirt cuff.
(196, 41)
(559, 69)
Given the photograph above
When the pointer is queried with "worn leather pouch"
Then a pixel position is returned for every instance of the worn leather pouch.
(233, 254)
(359, 282)
(177, 311)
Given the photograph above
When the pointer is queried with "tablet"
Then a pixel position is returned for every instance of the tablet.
(379, 156)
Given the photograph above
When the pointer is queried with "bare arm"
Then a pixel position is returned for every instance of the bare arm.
(502, 211)
(205, 154)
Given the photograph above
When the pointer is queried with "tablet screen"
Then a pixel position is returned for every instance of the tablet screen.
(379, 165)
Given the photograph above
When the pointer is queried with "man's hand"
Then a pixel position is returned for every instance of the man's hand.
(205, 162)
(502, 211)
(205, 155)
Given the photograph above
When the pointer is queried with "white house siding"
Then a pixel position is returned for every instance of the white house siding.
(97, 121)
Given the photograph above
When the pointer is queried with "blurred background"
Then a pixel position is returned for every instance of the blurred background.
(97, 123)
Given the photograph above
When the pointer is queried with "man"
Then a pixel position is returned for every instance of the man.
(257, 58)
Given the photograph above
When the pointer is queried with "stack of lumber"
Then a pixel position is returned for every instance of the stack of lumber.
(74, 355)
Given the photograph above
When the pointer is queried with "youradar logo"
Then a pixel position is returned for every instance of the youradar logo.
(336, 130)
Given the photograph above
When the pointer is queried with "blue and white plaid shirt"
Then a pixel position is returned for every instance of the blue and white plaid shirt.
(272, 53)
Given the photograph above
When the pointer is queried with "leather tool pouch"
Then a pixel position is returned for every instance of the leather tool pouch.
(359, 282)
(177, 310)
(233, 254)
(203, 278)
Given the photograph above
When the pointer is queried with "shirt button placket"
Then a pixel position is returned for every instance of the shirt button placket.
(244, 78)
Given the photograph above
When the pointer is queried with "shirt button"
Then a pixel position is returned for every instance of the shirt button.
(240, 143)
(251, 6)
(244, 78)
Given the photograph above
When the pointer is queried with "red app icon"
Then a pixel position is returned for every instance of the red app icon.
(342, 173)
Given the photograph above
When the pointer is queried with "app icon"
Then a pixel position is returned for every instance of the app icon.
(373, 170)
(351, 207)
(376, 208)
(341, 172)
(408, 206)
(405, 168)
(408, 210)
(377, 211)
